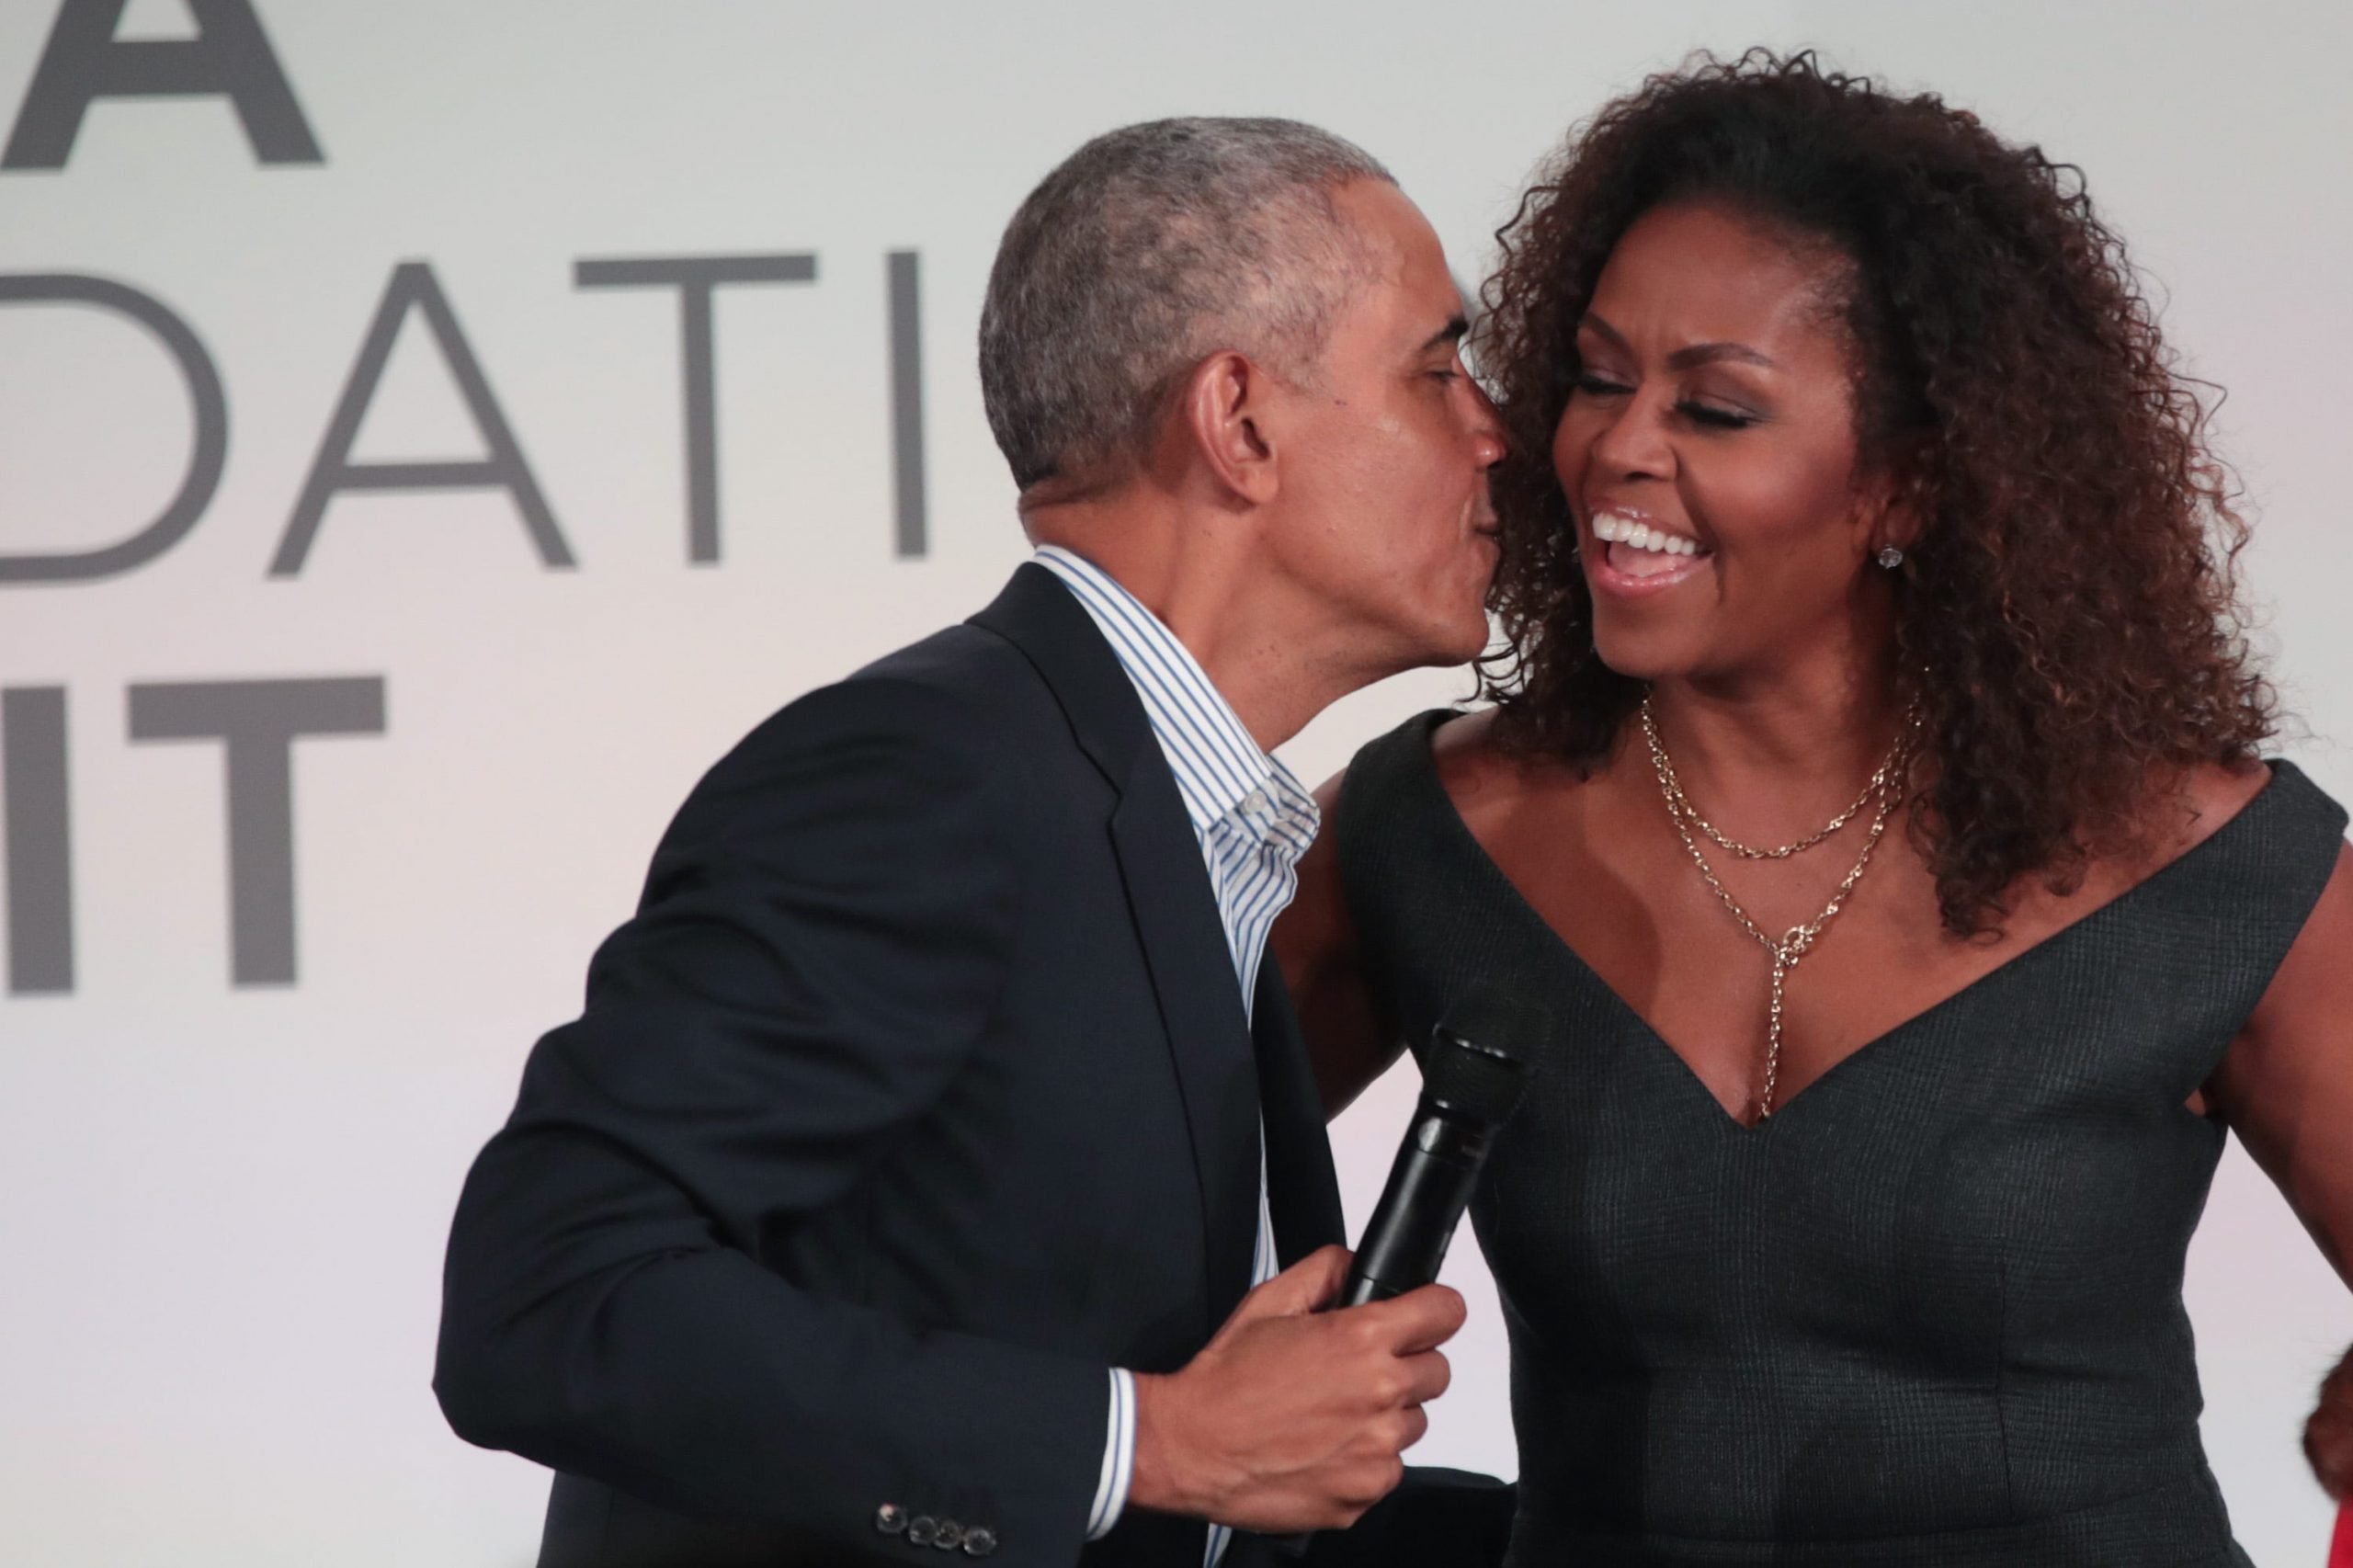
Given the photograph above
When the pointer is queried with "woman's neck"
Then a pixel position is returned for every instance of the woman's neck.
(1775, 756)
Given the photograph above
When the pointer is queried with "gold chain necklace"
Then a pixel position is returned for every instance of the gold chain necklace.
(1796, 942)
(1680, 802)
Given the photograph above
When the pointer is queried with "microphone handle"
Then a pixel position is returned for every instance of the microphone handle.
(1405, 1240)
(1428, 1188)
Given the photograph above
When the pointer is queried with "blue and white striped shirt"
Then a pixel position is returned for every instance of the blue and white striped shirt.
(1253, 820)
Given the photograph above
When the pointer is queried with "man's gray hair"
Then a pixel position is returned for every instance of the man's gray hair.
(1150, 248)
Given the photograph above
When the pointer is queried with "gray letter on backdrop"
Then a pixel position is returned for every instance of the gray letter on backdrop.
(258, 722)
(413, 287)
(230, 57)
(40, 868)
(211, 417)
(695, 277)
(906, 401)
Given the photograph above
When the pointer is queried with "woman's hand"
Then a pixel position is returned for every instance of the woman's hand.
(2328, 1435)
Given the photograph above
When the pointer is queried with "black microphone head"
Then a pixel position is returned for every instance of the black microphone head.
(1476, 1064)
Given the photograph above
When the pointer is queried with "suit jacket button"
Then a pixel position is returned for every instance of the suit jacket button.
(951, 1536)
(891, 1519)
(923, 1530)
(979, 1541)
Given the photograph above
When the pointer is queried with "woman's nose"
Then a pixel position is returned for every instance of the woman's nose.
(1632, 443)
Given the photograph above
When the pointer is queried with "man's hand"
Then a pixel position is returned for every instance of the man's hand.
(1291, 1419)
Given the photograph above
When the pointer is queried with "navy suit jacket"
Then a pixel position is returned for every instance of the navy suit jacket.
(917, 1093)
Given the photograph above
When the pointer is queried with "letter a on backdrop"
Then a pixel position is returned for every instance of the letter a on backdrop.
(229, 57)
(413, 287)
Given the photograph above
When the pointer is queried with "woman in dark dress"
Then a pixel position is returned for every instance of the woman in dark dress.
(1871, 798)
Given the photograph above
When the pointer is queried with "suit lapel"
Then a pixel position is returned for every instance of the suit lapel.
(1303, 1190)
(1200, 1006)
(1172, 906)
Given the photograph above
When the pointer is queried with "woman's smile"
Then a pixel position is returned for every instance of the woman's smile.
(1632, 554)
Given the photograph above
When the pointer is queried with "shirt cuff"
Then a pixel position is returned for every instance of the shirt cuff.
(1118, 1457)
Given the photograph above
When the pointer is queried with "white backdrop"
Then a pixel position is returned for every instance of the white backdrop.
(222, 1205)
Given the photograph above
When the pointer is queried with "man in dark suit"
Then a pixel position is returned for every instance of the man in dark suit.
(901, 1189)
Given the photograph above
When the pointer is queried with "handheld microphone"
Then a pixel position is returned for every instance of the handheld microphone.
(1472, 1078)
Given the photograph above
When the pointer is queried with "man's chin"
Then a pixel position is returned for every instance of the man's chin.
(1462, 644)
(1442, 638)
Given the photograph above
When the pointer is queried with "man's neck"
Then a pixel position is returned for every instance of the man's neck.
(1197, 570)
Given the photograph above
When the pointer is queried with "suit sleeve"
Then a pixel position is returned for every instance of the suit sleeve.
(825, 934)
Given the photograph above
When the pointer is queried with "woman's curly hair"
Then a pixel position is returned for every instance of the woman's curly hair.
(2067, 616)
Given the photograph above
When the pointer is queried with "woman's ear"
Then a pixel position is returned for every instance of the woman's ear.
(1225, 407)
(1896, 500)
(1909, 509)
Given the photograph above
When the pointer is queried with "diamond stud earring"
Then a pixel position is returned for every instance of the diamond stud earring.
(1891, 557)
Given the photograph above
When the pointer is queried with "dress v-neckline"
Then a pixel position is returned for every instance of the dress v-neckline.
(1681, 1063)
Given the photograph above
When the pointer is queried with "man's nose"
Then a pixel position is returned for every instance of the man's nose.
(1488, 442)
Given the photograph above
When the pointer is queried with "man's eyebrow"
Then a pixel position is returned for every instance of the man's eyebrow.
(1452, 332)
(1687, 358)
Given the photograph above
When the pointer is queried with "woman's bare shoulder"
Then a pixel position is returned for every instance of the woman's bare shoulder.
(2219, 792)
(1471, 759)
(1482, 775)
(2203, 802)
(1464, 735)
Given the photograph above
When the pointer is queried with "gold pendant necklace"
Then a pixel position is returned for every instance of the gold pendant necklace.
(1798, 941)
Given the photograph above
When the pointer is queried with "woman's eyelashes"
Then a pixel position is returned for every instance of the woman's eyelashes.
(1707, 416)
(1714, 417)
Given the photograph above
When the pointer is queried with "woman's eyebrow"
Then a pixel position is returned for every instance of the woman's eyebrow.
(1683, 358)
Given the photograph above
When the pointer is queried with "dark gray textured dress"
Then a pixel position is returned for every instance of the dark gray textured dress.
(1930, 1312)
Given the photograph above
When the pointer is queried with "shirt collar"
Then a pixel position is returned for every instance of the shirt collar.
(1220, 771)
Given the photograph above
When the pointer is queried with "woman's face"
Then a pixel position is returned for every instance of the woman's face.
(1708, 456)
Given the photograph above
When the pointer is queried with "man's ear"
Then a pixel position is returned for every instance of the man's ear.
(1223, 409)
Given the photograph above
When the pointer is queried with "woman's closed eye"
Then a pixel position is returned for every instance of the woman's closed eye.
(1708, 416)
(1714, 416)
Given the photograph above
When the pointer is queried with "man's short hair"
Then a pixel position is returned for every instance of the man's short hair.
(1150, 248)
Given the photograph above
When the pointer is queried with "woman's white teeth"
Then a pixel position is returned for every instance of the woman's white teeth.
(1612, 529)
